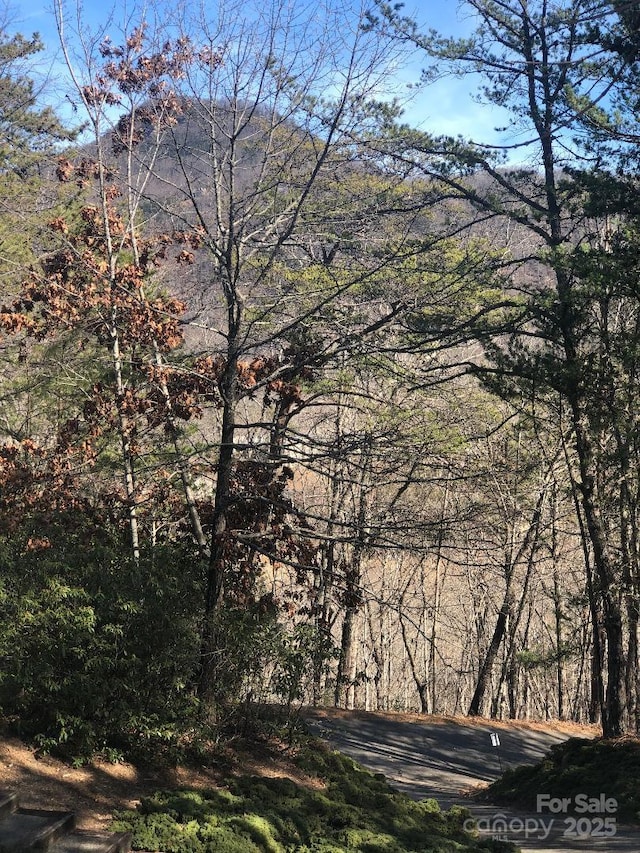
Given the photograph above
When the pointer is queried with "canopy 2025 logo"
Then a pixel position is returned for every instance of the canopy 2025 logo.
(580, 816)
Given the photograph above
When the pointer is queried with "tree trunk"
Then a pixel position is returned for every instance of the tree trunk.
(346, 659)
(209, 654)
(614, 711)
(421, 681)
(484, 676)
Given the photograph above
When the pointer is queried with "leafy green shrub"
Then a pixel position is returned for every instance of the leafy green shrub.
(264, 659)
(96, 654)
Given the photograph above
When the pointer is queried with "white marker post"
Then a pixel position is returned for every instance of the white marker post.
(495, 741)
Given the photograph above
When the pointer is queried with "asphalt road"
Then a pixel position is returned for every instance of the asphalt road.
(446, 760)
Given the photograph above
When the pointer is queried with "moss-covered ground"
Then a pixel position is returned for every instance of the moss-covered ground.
(344, 808)
(596, 769)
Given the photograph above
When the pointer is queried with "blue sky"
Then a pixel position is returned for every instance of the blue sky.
(445, 107)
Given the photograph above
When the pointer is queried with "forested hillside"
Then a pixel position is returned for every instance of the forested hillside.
(302, 404)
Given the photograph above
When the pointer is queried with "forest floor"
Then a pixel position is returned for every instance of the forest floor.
(95, 791)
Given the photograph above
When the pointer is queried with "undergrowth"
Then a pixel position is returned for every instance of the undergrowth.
(351, 810)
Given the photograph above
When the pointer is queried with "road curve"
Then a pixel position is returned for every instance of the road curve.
(447, 759)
